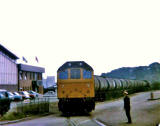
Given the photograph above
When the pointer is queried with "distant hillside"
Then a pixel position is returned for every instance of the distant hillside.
(150, 73)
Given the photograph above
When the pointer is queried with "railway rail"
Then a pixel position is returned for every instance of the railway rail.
(87, 122)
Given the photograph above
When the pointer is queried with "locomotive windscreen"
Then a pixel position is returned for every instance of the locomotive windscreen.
(75, 74)
(63, 74)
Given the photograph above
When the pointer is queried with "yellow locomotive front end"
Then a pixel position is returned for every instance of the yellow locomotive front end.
(75, 83)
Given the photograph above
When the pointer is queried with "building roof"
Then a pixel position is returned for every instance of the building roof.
(7, 52)
(30, 68)
(75, 64)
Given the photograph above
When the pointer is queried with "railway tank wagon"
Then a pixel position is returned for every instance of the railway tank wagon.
(111, 86)
(75, 83)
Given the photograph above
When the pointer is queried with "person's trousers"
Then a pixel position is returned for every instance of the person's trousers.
(128, 115)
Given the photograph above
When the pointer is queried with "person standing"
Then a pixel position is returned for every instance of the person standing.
(127, 106)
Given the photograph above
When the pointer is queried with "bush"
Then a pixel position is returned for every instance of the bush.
(155, 85)
(13, 116)
(4, 105)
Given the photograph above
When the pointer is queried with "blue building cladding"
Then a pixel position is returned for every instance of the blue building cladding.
(87, 74)
(63, 74)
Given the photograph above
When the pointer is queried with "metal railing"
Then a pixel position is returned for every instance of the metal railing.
(38, 105)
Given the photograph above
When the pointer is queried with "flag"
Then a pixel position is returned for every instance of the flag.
(24, 59)
(36, 59)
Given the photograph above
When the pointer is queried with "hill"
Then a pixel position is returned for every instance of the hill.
(150, 73)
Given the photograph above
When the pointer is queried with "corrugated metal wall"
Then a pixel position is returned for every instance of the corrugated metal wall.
(8, 70)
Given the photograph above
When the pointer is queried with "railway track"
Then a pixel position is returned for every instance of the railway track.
(85, 122)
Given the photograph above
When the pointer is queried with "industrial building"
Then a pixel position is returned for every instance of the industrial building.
(8, 70)
(16, 77)
(30, 78)
(49, 82)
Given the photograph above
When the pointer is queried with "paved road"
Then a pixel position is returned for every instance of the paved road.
(112, 113)
(44, 121)
(108, 113)
(58, 121)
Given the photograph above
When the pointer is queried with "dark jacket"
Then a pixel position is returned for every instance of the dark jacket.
(126, 103)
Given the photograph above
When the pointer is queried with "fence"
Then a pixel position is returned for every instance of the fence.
(36, 106)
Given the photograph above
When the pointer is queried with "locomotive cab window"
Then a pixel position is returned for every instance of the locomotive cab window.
(63, 74)
(75, 74)
(87, 74)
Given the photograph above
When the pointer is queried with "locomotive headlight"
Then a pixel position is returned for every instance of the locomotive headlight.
(88, 85)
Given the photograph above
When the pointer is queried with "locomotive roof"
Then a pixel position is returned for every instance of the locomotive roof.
(75, 64)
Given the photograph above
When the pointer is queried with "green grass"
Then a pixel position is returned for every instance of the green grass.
(13, 116)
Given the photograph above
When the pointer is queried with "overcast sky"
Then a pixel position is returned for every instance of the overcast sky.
(105, 34)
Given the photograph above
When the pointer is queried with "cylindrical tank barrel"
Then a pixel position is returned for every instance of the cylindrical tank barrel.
(118, 84)
(103, 83)
(112, 84)
(128, 83)
(138, 83)
(124, 83)
(96, 83)
(132, 82)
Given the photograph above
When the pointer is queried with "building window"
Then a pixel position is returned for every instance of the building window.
(20, 75)
(31, 76)
(40, 76)
(25, 76)
(35, 76)
(75, 74)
